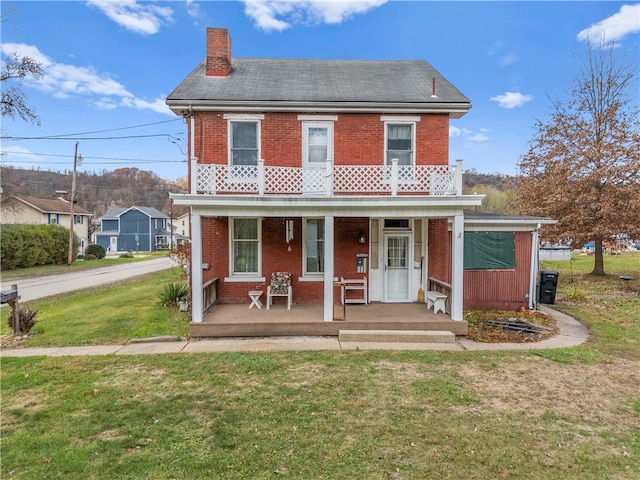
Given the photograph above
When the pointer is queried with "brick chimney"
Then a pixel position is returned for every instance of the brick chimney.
(218, 52)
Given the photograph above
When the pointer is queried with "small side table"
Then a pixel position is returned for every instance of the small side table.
(255, 295)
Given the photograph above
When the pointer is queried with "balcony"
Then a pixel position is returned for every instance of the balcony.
(328, 180)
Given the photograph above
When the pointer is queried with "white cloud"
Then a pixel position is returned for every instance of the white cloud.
(279, 15)
(481, 136)
(64, 81)
(145, 19)
(614, 28)
(512, 99)
(468, 136)
(193, 9)
(508, 59)
(458, 132)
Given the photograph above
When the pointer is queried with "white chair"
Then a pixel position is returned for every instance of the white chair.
(280, 287)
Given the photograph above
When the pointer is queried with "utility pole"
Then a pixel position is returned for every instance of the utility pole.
(73, 196)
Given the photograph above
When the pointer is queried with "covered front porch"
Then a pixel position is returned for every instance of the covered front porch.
(308, 320)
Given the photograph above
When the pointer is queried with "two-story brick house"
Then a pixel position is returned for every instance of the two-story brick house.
(324, 169)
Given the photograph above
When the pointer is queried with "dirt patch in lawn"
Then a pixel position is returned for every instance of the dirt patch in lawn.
(498, 326)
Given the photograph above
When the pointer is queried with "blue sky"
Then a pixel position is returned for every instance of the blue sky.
(109, 66)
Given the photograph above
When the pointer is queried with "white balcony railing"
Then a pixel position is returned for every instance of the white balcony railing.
(394, 179)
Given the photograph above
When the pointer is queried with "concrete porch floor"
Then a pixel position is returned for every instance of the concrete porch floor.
(307, 320)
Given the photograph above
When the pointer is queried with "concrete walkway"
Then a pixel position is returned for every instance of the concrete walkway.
(571, 333)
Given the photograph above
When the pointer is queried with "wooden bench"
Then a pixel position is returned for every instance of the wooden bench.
(357, 284)
(436, 300)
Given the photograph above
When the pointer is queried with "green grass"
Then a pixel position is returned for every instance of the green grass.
(111, 314)
(541, 414)
(75, 266)
(330, 415)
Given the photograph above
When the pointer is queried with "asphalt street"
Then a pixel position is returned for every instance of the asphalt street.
(33, 288)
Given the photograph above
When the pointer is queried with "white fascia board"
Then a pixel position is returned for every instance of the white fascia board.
(455, 110)
(344, 206)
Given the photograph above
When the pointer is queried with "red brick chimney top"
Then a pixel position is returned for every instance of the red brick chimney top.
(218, 52)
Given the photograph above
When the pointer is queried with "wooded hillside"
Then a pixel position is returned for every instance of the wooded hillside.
(95, 192)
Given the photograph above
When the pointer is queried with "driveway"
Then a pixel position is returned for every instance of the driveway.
(44, 286)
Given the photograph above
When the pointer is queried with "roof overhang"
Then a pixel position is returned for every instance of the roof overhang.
(506, 223)
(342, 206)
(184, 107)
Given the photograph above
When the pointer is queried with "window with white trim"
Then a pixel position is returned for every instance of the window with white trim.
(314, 246)
(245, 246)
(244, 142)
(317, 143)
(400, 143)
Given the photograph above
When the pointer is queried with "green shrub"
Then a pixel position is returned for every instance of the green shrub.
(24, 246)
(27, 320)
(172, 293)
(97, 250)
(126, 255)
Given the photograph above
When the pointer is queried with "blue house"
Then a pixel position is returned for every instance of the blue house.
(134, 229)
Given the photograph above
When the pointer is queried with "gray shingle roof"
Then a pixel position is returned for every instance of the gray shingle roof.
(269, 81)
(51, 205)
(115, 212)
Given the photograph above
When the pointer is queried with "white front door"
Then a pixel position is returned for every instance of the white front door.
(113, 244)
(397, 280)
(317, 147)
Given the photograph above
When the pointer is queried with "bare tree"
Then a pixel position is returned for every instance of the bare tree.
(583, 165)
(14, 69)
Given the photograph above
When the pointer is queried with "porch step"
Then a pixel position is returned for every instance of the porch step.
(396, 336)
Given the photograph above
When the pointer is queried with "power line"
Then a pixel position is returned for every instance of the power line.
(119, 159)
(124, 137)
(52, 137)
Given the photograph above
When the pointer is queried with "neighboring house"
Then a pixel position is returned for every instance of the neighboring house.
(33, 210)
(180, 229)
(324, 169)
(179, 222)
(134, 229)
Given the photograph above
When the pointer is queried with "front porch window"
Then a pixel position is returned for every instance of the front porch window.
(246, 246)
(314, 246)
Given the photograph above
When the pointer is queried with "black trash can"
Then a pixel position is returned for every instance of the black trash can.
(548, 286)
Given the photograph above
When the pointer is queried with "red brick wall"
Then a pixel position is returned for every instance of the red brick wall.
(358, 139)
(277, 257)
(439, 250)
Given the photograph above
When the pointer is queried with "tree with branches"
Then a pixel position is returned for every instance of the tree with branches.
(582, 167)
(14, 69)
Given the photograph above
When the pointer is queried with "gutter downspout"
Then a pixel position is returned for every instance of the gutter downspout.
(535, 264)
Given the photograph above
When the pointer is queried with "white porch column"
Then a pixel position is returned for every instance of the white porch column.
(457, 266)
(328, 268)
(196, 268)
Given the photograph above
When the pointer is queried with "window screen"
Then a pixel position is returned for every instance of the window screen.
(489, 250)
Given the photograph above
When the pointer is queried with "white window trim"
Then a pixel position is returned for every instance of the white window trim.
(305, 139)
(247, 276)
(309, 276)
(388, 120)
(240, 117)
(318, 118)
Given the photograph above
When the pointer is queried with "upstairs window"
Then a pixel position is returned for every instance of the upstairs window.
(400, 143)
(400, 138)
(244, 143)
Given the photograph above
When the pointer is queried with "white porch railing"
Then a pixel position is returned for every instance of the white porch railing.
(329, 180)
